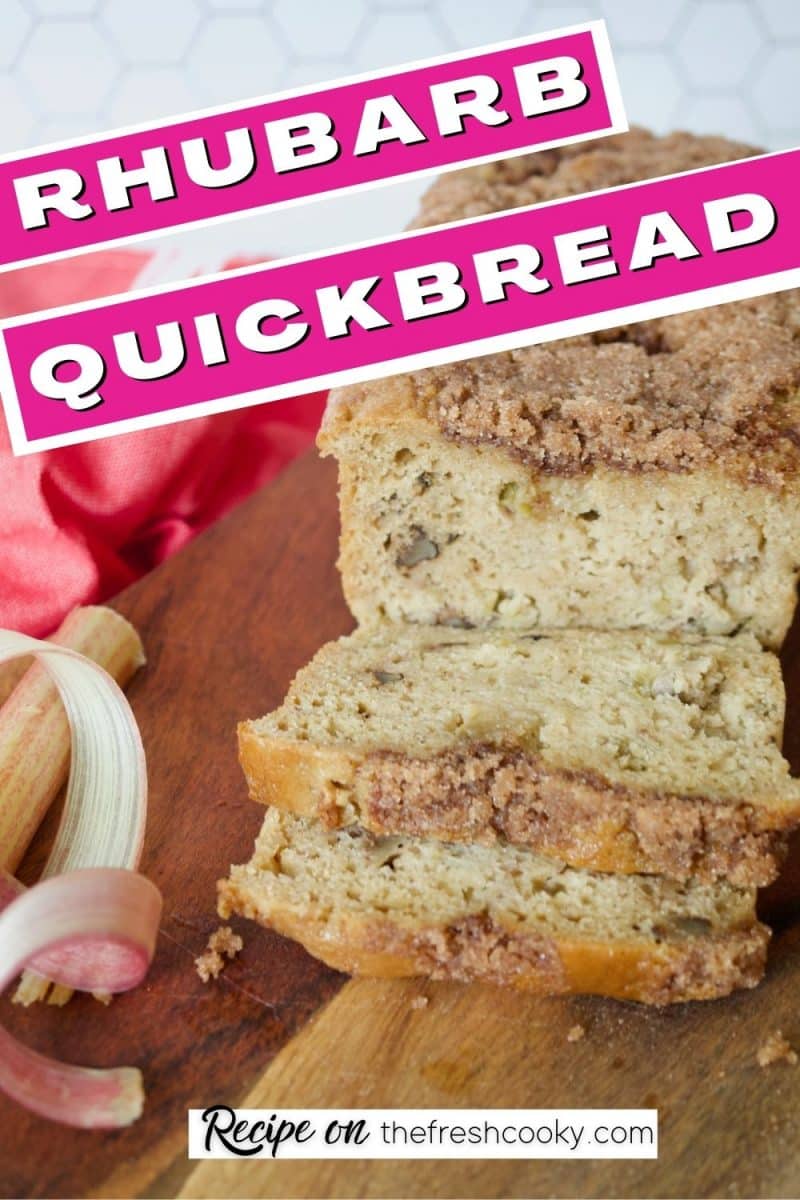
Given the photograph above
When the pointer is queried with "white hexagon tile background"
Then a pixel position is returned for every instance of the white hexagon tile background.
(69, 67)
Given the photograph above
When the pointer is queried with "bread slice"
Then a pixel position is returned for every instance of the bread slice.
(632, 752)
(644, 476)
(404, 906)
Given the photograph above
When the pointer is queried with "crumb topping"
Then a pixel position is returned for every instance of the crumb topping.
(718, 386)
(570, 170)
(721, 385)
(479, 792)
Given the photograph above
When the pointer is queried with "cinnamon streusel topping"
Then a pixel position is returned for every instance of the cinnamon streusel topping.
(715, 386)
(719, 386)
(569, 170)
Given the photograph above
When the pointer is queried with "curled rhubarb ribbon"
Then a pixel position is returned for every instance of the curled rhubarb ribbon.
(91, 923)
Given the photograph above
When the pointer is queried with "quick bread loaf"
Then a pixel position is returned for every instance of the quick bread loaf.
(404, 906)
(549, 755)
(643, 476)
(631, 752)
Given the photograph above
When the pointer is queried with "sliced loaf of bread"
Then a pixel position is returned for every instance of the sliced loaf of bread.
(613, 751)
(405, 906)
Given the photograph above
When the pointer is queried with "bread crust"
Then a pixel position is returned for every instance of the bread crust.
(297, 777)
(482, 949)
(480, 793)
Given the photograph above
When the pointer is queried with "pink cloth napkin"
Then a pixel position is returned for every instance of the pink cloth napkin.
(79, 523)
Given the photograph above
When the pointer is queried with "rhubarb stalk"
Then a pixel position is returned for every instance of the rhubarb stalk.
(91, 929)
(94, 928)
(35, 730)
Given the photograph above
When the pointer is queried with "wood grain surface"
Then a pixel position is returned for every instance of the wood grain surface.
(726, 1126)
(225, 624)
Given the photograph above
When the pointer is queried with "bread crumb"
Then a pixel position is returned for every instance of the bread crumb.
(223, 941)
(776, 1049)
(576, 1033)
(419, 1002)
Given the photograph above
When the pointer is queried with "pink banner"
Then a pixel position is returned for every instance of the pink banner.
(286, 149)
(427, 297)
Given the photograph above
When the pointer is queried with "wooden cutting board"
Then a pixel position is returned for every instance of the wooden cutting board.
(226, 623)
